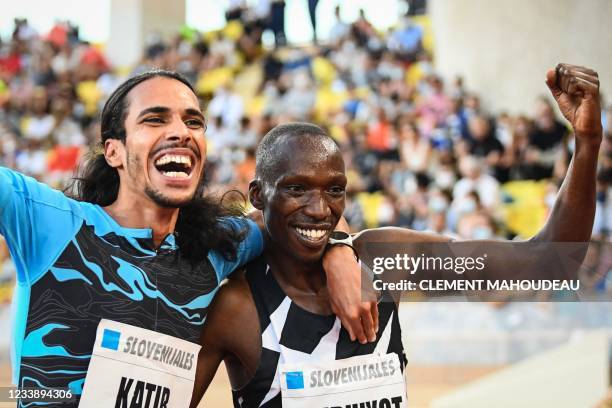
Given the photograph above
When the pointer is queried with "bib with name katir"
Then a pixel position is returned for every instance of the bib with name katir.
(131, 367)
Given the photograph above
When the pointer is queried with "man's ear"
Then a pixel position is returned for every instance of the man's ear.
(113, 149)
(256, 194)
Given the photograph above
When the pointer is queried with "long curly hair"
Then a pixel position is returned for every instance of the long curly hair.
(200, 227)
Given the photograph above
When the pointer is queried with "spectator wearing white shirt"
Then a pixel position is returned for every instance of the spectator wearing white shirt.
(474, 179)
(339, 30)
(228, 105)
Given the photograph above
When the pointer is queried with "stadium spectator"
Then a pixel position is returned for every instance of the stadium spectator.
(277, 22)
(339, 30)
(397, 123)
(545, 140)
(474, 179)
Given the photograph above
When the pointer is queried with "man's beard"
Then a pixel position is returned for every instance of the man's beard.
(166, 202)
(157, 196)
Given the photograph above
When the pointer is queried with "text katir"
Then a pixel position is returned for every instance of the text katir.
(143, 394)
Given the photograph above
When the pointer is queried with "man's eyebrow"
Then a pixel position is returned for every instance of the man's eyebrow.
(306, 176)
(164, 109)
(195, 112)
(153, 109)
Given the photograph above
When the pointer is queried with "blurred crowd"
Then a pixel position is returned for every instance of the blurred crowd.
(421, 151)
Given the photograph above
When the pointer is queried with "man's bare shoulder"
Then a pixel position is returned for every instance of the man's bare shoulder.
(232, 307)
(234, 311)
(233, 295)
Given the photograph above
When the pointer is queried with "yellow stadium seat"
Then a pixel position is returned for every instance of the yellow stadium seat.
(527, 213)
(233, 30)
(211, 80)
(89, 93)
(327, 102)
(323, 71)
(247, 80)
(428, 40)
(338, 133)
(255, 106)
(414, 74)
(370, 204)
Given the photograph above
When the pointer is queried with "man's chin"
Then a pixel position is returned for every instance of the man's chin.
(167, 201)
(309, 258)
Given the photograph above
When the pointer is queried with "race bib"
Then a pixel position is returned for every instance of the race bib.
(131, 367)
(373, 380)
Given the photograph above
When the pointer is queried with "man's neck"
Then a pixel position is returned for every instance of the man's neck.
(143, 213)
(305, 284)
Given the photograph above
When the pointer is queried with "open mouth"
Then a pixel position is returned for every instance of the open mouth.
(312, 235)
(174, 165)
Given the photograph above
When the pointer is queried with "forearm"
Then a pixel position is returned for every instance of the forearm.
(571, 219)
(205, 372)
(336, 257)
(359, 318)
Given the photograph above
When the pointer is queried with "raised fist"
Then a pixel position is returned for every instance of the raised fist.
(576, 90)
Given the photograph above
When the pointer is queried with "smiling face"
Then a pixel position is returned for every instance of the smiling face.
(163, 155)
(304, 198)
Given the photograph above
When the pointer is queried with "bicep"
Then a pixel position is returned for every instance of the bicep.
(384, 252)
(396, 235)
(378, 244)
(226, 317)
(212, 340)
(209, 359)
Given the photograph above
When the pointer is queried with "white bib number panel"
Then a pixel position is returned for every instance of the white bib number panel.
(131, 366)
(373, 380)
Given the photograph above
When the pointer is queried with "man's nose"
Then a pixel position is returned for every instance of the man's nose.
(317, 206)
(178, 131)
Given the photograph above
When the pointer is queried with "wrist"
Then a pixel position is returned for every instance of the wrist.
(589, 140)
(341, 238)
(588, 145)
(337, 255)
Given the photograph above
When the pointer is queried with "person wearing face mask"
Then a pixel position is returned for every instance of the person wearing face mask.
(469, 204)
(445, 176)
(437, 221)
(463, 206)
(476, 225)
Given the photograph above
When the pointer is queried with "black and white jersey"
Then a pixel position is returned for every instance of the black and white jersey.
(290, 333)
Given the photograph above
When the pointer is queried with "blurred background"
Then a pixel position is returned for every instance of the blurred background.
(441, 112)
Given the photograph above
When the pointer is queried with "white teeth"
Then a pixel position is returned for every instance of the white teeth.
(175, 174)
(311, 233)
(173, 158)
